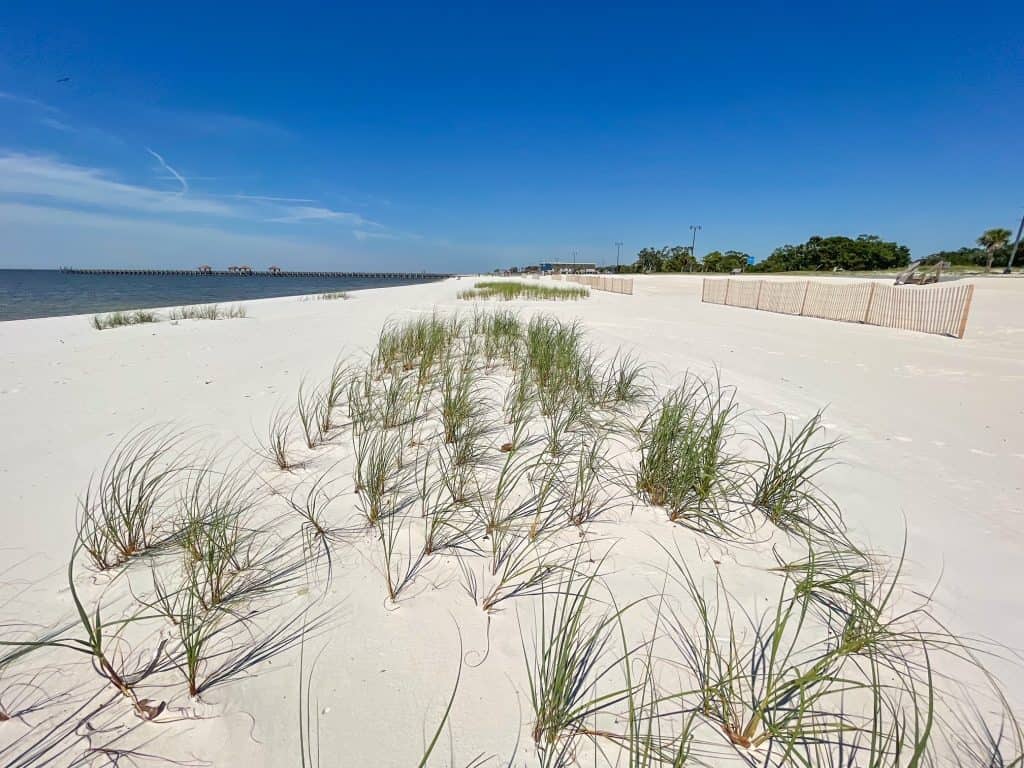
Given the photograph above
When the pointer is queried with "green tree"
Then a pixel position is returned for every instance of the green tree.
(993, 240)
(678, 258)
(716, 261)
(866, 252)
(650, 260)
(964, 256)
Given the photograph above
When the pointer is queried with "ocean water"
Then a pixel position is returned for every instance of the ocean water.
(49, 293)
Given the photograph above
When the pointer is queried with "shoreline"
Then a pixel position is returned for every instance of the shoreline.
(118, 306)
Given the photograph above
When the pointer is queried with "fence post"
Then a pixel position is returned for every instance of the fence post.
(965, 311)
(803, 301)
(871, 298)
(757, 301)
(728, 282)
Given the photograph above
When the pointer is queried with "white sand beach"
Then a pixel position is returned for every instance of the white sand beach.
(931, 453)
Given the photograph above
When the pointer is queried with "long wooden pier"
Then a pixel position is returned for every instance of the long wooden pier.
(258, 273)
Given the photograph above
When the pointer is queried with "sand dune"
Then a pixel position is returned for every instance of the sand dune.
(932, 452)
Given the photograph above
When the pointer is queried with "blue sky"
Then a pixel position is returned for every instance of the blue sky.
(478, 135)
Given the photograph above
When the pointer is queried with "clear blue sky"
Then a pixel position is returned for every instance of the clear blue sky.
(478, 135)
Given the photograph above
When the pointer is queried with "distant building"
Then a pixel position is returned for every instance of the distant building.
(205, 269)
(567, 266)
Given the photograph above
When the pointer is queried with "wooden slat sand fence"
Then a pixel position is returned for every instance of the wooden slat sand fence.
(941, 309)
(601, 282)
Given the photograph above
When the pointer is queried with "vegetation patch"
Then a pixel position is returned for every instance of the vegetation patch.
(507, 291)
(119, 319)
(207, 312)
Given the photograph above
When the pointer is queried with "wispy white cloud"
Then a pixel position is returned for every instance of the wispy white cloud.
(362, 234)
(300, 213)
(181, 179)
(218, 123)
(35, 178)
(37, 235)
(57, 125)
(41, 236)
(39, 176)
(270, 199)
(12, 97)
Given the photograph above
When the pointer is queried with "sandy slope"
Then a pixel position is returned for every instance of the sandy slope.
(933, 432)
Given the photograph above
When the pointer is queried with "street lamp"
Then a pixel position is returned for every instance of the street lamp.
(695, 228)
(618, 253)
(1016, 243)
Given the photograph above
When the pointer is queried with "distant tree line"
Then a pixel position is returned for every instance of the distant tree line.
(863, 253)
(993, 250)
(679, 258)
(866, 252)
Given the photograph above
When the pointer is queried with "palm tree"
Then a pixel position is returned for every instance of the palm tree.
(994, 240)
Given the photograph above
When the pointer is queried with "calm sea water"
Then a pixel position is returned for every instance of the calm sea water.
(48, 293)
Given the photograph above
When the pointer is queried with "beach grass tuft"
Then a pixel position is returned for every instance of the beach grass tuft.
(119, 319)
(686, 465)
(122, 513)
(785, 487)
(567, 663)
(508, 291)
(207, 312)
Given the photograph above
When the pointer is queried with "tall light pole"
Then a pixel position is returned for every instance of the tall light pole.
(1016, 243)
(695, 228)
(618, 253)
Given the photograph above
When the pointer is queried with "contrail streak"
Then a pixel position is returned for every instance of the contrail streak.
(174, 173)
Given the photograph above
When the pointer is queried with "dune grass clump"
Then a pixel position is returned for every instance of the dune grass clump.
(407, 345)
(208, 312)
(502, 333)
(275, 446)
(378, 472)
(811, 672)
(567, 664)
(213, 532)
(119, 319)
(123, 513)
(623, 383)
(99, 644)
(312, 409)
(784, 482)
(507, 291)
(319, 535)
(558, 360)
(685, 464)
(333, 296)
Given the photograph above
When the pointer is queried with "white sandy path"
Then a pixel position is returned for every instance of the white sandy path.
(933, 429)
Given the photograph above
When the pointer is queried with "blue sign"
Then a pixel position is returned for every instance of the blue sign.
(750, 261)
